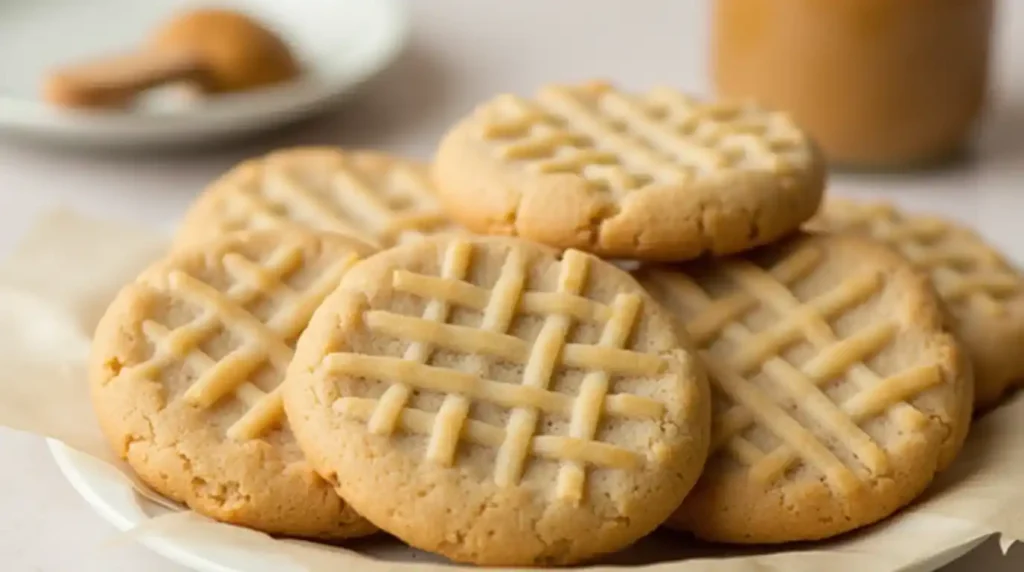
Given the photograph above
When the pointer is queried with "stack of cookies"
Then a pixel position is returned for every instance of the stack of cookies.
(595, 314)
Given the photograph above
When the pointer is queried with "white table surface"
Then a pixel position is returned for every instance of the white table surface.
(462, 51)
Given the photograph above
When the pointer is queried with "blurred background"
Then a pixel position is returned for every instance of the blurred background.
(461, 51)
(928, 55)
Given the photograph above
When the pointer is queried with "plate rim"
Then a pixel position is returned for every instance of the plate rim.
(250, 112)
(173, 551)
(63, 456)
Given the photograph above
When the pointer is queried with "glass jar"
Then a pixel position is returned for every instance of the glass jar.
(878, 83)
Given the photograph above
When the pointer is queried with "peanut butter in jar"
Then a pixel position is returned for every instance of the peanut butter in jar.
(878, 83)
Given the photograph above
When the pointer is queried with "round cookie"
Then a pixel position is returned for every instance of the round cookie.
(651, 176)
(186, 372)
(519, 407)
(380, 199)
(984, 294)
(837, 394)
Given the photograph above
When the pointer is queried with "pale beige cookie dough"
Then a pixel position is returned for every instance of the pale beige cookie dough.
(837, 393)
(378, 198)
(495, 402)
(982, 292)
(655, 175)
(186, 373)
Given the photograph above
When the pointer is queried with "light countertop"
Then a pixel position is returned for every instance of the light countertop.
(461, 52)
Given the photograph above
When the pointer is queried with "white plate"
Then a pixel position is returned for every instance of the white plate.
(126, 510)
(340, 43)
(122, 509)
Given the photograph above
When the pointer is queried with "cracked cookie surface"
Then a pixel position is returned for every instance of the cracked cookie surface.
(651, 176)
(488, 400)
(837, 393)
(186, 369)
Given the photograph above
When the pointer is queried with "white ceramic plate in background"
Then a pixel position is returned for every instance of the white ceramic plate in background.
(121, 508)
(340, 43)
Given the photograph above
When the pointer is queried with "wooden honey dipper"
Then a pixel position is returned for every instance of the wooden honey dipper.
(218, 51)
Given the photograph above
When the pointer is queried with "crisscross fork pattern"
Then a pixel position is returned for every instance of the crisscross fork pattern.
(964, 270)
(621, 142)
(711, 319)
(517, 441)
(263, 342)
(348, 203)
